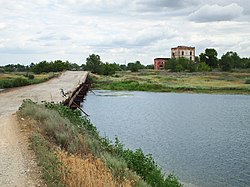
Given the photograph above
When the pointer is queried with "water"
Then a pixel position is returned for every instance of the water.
(204, 139)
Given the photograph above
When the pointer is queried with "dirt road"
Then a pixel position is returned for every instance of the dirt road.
(14, 163)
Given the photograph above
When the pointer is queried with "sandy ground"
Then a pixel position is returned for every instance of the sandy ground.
(16, 163)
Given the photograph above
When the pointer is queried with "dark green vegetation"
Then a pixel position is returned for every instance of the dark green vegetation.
(95, 65)
(183, 64)
(210, 58)
(11, 80)
(15, 75)
(41, 67)
(208, 61)
(58, 126)
(163, 81)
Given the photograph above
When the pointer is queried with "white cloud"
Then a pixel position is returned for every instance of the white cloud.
(3, 25)
(118, 30)
(209, 13)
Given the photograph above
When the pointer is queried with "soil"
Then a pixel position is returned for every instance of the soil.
(17, 162)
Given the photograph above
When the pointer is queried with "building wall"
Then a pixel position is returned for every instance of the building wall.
(183, 51)
(159, 63)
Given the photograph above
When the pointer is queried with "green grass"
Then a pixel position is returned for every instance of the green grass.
(11, 80)
(47, 160)
(61, 127)
(163, 81)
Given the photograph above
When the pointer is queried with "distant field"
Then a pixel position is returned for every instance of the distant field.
(163, 81)
(11, 80)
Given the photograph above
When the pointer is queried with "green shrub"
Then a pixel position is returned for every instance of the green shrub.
(204, 67)
(11, 83)
(20, 82)
(145, 166)
(30, 76)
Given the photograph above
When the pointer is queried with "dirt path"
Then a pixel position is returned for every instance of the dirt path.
(15, 166)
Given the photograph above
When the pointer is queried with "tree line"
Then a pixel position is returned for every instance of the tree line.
(208, 61)
(95, 65)
(41, 67)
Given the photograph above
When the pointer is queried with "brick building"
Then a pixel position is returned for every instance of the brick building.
(159, 63)
(183, 51)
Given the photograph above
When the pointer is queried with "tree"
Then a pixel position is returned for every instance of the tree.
(123, 67)
(110, 69)
(134, 67)
(74, 67)
(230, 60)
(236, 59)
(210, 57)
(53, 66)
(94, 64)
(150, 66)
(245, 62)
(180, 64)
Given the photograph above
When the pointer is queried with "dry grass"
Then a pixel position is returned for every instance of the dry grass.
(212, 82)
(89, 172)
(77, 164)
(4, 76)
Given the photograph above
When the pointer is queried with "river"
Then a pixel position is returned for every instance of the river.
(203, 139)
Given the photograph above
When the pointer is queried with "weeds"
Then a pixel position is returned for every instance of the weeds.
(49, 162)
(85, 157)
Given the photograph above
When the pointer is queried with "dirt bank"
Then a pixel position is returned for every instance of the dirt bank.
(15, 166)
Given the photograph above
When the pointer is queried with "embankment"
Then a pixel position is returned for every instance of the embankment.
(14, 170)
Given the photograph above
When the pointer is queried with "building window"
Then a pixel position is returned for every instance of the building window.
(190, 58)
(190, 52)
(173, 54)
(182, 53)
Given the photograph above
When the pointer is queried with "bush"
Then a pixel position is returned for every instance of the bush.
(30, 76)
(145, 166)
(14, 82)
(203, 67)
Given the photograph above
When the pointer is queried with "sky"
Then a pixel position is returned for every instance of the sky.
(119, 31)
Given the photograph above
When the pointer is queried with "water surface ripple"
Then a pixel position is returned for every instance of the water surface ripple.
(204, 139)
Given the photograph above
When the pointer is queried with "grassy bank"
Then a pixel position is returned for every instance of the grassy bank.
(163, 81)
(11, 80)
(71, 152)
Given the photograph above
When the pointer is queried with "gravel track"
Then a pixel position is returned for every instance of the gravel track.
(16, 160)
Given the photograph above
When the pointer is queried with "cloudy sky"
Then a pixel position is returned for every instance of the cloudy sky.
(119, 30)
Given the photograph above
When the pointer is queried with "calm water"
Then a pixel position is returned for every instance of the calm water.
(203, 139)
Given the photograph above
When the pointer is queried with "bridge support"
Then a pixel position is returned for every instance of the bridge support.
(78, 95)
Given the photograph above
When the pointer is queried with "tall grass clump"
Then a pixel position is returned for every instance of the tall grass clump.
(87, 158)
